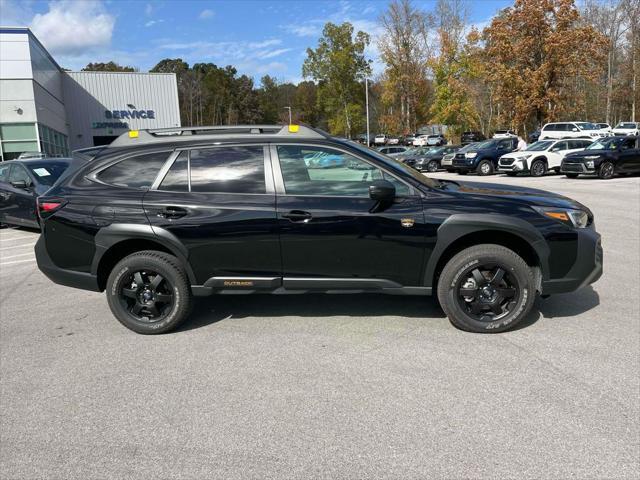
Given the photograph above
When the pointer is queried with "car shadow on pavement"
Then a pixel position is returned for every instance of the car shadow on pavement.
(209, 310)
(569, 304)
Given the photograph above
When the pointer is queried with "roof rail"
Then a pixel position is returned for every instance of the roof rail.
(158, 135)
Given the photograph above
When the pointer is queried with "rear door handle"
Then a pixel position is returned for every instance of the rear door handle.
(172, 212)
(298, 216)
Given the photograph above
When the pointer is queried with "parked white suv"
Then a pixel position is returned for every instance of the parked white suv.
(380, 139)
(627, 128)
(540, 157)
(420, 141)
(560, 130)
(504, 134)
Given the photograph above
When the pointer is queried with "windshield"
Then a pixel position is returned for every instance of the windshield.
(586, 126)
(468, 147)
(485, 144)
(538, 146)
(394, 164)
(47, 172)
(606, 144)
(626, 125)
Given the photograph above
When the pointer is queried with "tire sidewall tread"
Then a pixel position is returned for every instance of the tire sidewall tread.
(493, 253)
(168, 266)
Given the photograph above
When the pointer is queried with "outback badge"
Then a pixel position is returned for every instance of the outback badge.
(407, 222)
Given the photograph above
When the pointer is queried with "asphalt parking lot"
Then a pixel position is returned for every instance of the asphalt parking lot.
(327, 386)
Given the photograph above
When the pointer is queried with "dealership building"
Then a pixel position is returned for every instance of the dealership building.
(44, 108)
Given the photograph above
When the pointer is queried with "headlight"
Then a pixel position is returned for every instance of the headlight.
(524, 157)
(589, 164)
(471, 155)
(568, 216)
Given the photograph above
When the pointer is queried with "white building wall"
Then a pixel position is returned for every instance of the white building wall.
(90, 95)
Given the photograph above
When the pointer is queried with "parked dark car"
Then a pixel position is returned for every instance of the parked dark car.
(534, 136)
(156, 219)
(21, 181)
(483, 158)
(471, 137)
(605, 157)
(407, 140)
(428, 159)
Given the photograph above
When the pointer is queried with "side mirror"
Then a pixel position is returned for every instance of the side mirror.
(19, 184)
(555, 149)
(382, 191)
(574, 129)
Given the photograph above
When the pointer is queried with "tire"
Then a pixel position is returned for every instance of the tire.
(538, 168)
(131, 286)
(474, 270)
(485, 167)
(432, 166)
(571, 175)
(606, 170)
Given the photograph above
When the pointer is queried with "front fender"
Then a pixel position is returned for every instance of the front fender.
(458, 226)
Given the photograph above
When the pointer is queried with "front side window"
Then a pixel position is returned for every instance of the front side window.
(19, 174)
(4, 172)
(324, 171)
(135, 172)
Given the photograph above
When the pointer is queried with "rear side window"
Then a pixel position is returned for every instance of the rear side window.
(135, 172)
(228, 170)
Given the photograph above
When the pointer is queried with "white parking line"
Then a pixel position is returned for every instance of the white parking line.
(8, 239)
(18, 246)
(18, 261)
(2, 257)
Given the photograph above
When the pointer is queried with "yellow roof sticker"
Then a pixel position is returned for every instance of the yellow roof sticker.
(294, 128)
(133, 133)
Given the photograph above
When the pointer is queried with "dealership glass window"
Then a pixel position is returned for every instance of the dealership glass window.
(52, 142)
(17, 138)
(135, 172)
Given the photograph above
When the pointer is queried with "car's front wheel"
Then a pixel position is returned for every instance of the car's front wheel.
(485, 167)
(432, 166)
(148, 292)
(606, 170)
(538, 168)
(486, 289)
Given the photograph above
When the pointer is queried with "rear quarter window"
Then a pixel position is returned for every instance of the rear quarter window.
(134, 172)
(4, 172)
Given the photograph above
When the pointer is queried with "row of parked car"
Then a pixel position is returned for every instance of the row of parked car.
(605, 157)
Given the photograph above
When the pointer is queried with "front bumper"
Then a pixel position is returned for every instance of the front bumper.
(575, 168)
(587, 268)
(62, 276)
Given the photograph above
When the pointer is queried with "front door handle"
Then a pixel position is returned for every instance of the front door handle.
(298, 216)
(172, 212)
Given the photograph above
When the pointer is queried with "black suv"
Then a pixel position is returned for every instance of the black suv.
(483, 157)
(161, 216)
(471, 137)
(606, 158)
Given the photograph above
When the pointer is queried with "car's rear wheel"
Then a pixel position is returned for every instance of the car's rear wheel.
(148, 292)
(486, 289)
(485, 167)
(538, 168)
(606, 170)
(432, 166)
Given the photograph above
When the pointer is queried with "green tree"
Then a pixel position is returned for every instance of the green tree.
(108, 67)
(339, 66)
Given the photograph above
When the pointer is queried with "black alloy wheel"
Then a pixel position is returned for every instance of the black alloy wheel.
(432, 166)
(146, 295)
(606, 170)
(487, 292)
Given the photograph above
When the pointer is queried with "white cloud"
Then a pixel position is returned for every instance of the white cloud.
(72, 28)
(148, 9)
(151, 23)
(205, 14)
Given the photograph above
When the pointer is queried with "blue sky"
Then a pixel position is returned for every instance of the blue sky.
(258, 37)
